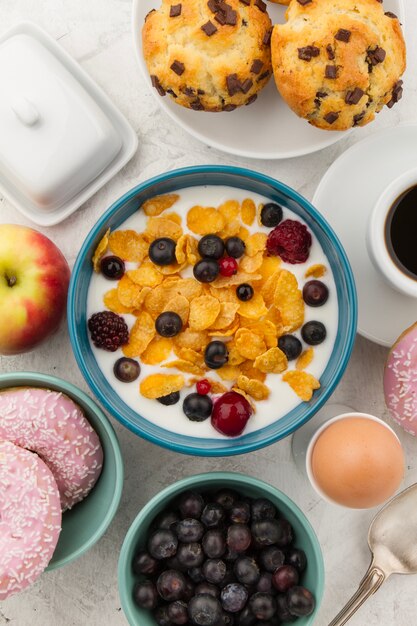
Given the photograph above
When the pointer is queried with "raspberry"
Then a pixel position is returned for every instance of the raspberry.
(108, 330)
(291, 241)
(228, 266)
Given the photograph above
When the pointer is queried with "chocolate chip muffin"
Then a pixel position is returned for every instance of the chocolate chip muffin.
(338, 62)
(209, 55)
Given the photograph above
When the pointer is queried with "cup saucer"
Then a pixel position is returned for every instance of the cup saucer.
(346, 196)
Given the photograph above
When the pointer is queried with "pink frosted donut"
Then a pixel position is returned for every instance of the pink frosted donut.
(30, 518)
(52, 425)
(400, 380)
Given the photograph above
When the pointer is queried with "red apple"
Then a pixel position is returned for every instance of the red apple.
(34, 277)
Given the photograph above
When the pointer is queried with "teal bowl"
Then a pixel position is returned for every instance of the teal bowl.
(305, 537)
(87, 522)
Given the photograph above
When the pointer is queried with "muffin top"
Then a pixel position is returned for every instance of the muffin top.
(208, 55)
(338, 62)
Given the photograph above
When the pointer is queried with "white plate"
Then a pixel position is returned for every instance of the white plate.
(267, 129)
(345, 196)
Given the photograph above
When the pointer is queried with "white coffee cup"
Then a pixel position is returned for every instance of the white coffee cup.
(316, 436)
(376, 236)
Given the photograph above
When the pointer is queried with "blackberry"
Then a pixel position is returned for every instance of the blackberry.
(108, 330)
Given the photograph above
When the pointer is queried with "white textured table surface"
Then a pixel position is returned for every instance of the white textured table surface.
(97, 34)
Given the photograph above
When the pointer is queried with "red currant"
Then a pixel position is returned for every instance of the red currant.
(203, 387)
(228, 266)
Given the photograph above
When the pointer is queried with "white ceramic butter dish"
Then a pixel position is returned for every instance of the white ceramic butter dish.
(61, 138)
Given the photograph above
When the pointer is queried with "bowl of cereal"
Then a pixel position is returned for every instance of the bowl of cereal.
(212, 310)
(281, 579)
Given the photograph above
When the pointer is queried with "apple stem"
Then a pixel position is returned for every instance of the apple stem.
(11, 280)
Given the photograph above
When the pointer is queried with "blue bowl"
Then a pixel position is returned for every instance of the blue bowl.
(242, 179)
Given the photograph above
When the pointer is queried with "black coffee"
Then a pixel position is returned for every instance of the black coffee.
(401, 232)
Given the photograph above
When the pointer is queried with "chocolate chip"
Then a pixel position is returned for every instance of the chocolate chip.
(233, 84)
(391, 15)
(244, 23)
(178, 67)
(358, 118)
(308, 52)
(256, 66)
(189, 91)
(213, 5)
(157, 85)
(196, 105)
(343, 35)
(330, 118)
(353, 97)
(175, 10)
(220, 17)
(319, 97)
(261, 5)
(246, 85)
(267, 37)
(201, 92)
(172, 93)
(304, 2)
(148, 14)
(330, 53)
(245, 2)
(209, 28)
(231, 17)
(252, 98)
(375, 56)
(331, 71)
(262, 76)
(229, 107)
(397, 94)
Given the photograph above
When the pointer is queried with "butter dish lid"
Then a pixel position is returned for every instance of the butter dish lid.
(61, 136)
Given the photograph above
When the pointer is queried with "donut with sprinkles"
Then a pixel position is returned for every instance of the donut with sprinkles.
(54, 426)
(400, 380)
(30, 518)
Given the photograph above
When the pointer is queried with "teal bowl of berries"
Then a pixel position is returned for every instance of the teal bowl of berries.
(217, 549)
(212, 331)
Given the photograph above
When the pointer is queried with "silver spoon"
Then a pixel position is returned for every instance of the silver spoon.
(392, 539)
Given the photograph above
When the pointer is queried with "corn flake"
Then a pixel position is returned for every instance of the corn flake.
(128, 245)
(316, 271)
(270, 265)
(203, 312)
(235, 358)
(255, 243)
(248, 211)
(141, 335)
(236, 279)
(227, 315)
(158, 204)
(163, 227)
(145, 276)
(127, 291)
(230, 210)
(250, 345)
(272, 361)
(181, 306)
(229, 372)
(160, 385)
(268, 288)
(305, 359)
(253, 308)
(225, 332)
(100, 250)
(205, 220)
(192, 339)
(289, 301)
(157, 351)
(230, 230)
(251, 264)
(188, 354)
(302, 383)
(185, 366)
(255, 388)
(247, 368)
(112, 302)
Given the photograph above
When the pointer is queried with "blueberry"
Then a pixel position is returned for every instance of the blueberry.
(177, 612)
(234, 597)
(238, 537)
(271, 558)
(204, 610)
(315, 293)
(171, 585)
(214, 570)
(261, 508)
(263, 605)
(171, 398)
(196, 575)
(190, 555)
(226, 497)
(112, 267)
(297, 558)
(205, 587)
(271, 214)
(166, 518)
(291, 346)
(264, 583)
(300, 601)
(285, 577)
(144, 563)
(313, 333)
(162, 617)
(240, 513)
(216, 355)
(189, 530)
(206, 270)
(272, 531)
(126, 370)
(197, 407)
(244, 292)
(191, 504)
(246, 618)
(246, 570)
(235, 247)
(283, 611)
(162, 251)
(145, 595)
(162, 544)
(211, 247)
(214, 544)
(168, 324)
(213, 515)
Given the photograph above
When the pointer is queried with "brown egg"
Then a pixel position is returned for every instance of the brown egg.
(357, 462)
